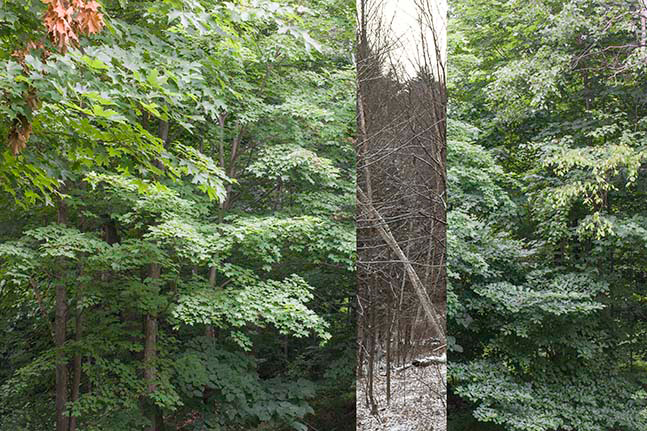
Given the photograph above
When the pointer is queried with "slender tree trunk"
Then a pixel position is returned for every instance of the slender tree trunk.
(210, 330)
(371, 359)
(150, 351)
(643, 22)
(388, 353)
(60, 330)
(163, 131)
(212, 277)
(221, 140)
(76, 379)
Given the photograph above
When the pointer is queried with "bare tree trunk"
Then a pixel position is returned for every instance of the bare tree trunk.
(163, 131)
(221, 141)
(210, 330)
(643, 23)
(388, 355)
(371, 363)
(150, 340)
(231, 171)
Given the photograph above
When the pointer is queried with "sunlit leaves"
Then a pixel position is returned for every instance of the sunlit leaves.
(279, 303)
(293, 163)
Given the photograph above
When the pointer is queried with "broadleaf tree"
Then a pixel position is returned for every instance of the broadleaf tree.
(177, 245)
(547, 179)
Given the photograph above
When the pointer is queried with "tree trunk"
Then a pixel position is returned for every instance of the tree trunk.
(210, 330)
(150, 351)
(163, 131)
(60, 329)
(643, 22)
(387, 340)
(76, 379)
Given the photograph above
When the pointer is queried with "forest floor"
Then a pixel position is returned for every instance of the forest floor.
(418, 400)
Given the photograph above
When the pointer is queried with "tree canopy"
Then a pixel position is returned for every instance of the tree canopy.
(547, 178)
(178, 185)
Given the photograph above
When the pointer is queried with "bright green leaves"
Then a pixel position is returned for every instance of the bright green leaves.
(588, 175)
(266, 239)
(142, 201)
(203, 172)
(40, 250)
(278, 303)
(528, 309)
(94, 63)
(475, 181)
(26, 181)
(291, 163)
(59, 241)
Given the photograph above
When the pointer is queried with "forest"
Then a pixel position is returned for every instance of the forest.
(547, 218)
(237, 215)
(401, 215)
(177, 237)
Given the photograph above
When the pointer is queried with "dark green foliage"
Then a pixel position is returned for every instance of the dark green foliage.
(546, 255)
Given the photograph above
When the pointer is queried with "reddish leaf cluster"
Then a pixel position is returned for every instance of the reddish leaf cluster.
(21, 127)
(19, 134)
(21, 54)
(67, 19)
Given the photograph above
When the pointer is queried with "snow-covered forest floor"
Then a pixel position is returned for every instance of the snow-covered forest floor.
(418, 400)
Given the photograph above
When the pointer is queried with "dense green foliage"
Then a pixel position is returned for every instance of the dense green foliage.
(548, 216)
(208, 139)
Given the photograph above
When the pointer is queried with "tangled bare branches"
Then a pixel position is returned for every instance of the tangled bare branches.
(401, 219)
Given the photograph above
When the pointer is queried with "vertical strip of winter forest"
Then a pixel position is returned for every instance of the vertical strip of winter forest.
(401, 213)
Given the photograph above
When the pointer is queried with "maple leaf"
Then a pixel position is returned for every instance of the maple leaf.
(90, 21)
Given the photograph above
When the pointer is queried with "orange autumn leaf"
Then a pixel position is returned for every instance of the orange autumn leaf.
(58, 20)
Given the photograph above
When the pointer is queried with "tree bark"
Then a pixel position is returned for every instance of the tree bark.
(210, 330)
(163, 129)
(60, 329)
(643, 22)
(76, 379)
(150, 351)
(387, 340)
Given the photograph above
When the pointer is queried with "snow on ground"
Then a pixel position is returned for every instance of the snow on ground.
(418, 400)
